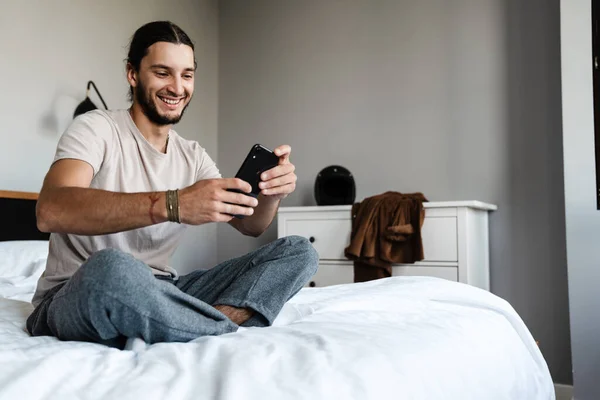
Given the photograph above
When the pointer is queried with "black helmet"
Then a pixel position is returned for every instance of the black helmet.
(334, 186)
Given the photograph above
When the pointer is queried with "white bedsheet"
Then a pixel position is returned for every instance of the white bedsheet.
(398, 338)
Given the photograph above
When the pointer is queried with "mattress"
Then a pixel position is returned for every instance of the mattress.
(396, 338)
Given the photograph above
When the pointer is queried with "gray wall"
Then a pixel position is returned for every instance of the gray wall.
(458, 99)
(582, 217)
(51, 49)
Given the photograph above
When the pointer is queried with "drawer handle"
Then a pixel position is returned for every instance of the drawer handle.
(312, 284)
(311, 239)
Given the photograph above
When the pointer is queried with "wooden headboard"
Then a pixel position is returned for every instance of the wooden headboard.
(17, 217)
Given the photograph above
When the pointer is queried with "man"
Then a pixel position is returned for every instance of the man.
(110, 200)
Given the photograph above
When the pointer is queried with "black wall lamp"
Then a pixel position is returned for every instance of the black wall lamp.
(87, 104)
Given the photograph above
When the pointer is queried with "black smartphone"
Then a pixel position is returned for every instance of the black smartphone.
(258, 160)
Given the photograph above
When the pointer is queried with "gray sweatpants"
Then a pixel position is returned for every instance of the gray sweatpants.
(114, 296)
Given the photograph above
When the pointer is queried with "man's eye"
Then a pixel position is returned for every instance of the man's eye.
(188, 76)
(161, 74)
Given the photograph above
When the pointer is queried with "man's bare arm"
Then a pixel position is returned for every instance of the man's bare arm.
(68, 205)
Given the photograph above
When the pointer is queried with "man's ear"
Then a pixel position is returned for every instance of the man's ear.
(132, 75)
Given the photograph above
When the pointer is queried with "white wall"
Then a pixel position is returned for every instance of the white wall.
(582, 217)
(50, 49)
(458, 99)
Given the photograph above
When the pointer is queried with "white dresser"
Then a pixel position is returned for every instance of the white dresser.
(455, 241)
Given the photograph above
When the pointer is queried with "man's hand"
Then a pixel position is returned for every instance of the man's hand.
(275, 185)
(209, 201)
(279, 181)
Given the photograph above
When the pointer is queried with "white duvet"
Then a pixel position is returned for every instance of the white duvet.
(398, 338)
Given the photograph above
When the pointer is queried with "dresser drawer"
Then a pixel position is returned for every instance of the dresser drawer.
(331, 236)
(449, 273)
(343, 272)
(332, 274)
(440, 239)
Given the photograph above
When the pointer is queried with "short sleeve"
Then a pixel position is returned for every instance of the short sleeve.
(87, 139)
(207, 169)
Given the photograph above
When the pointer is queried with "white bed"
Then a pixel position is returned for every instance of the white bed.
(398, 338)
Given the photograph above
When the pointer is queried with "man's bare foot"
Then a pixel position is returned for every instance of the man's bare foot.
(237, 315)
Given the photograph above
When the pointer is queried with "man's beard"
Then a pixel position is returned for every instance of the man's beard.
(149, 107)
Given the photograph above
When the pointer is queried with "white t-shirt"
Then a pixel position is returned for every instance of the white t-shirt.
(124, 161)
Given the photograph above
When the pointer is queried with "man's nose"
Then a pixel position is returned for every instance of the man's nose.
(177, 86)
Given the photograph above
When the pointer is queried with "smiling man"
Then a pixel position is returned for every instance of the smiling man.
(122, 188)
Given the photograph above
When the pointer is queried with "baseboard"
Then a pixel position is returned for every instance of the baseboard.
(563, 392)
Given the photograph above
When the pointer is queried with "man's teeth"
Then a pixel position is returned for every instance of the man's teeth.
(169, 101)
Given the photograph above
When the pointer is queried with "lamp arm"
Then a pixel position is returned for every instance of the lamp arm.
(97, 92)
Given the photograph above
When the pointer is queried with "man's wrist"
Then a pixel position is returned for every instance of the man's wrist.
(172, 205)
(270, 201)
(158, 207)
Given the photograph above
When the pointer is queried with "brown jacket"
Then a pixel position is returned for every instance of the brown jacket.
(386, 229)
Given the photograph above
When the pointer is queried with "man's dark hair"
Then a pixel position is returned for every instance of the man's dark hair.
(147, 35)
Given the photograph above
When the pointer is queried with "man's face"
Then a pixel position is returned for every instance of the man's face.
(165, 82)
